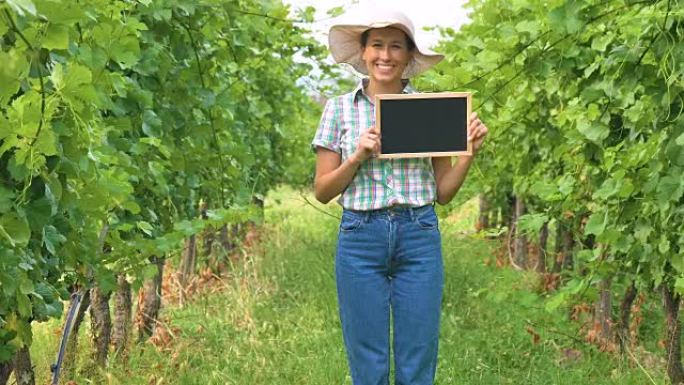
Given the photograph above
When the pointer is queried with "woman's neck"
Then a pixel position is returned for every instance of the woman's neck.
(376, 88)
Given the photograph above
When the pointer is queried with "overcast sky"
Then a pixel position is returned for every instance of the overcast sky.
(423, 13)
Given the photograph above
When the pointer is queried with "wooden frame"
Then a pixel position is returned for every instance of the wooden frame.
(440, 95)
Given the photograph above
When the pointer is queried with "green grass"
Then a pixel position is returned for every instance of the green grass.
(274, 321)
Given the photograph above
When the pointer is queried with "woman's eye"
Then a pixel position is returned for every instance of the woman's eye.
(377, 45)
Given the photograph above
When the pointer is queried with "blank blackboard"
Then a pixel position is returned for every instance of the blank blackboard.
(423, 125)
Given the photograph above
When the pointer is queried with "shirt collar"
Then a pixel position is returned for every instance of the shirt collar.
(361, 88)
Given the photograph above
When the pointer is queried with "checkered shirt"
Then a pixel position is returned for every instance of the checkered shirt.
(378, 183)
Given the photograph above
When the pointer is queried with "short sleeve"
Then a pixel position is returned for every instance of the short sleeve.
(328, 133)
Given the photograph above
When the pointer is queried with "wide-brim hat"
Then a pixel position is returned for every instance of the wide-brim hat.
(344, 40)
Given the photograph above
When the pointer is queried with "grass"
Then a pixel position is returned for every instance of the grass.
(274, 320)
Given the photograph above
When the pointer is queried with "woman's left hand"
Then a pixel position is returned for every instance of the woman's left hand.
(476, 132)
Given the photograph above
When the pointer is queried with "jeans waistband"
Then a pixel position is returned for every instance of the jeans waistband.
(397, 210)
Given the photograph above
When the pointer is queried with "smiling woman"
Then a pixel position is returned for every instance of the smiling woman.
(388, 263)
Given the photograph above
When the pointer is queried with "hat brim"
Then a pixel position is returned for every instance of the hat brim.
(344, 42)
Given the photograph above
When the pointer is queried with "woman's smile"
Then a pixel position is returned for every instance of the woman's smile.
(385, 67)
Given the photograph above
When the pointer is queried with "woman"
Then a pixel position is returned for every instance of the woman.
(389, 259)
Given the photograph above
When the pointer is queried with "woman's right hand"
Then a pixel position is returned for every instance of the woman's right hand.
(368, 145)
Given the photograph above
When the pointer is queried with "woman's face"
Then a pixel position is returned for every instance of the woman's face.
(386, 54)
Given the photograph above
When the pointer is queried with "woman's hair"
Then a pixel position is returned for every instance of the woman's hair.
(409, 43)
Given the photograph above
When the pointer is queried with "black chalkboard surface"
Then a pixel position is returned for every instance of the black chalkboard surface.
(423, 125)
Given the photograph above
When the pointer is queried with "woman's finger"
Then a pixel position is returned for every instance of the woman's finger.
(480, 132)
(474, 132)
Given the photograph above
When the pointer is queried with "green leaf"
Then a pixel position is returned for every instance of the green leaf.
(596, 223)
(8, 283)
(643, 230)
(131, 206)
(7, 351)
(669, 189)
(586, 255)
(25, 286)
(6, 199)
(306, 14)
(151, 123)
(74, 83)
(529, 26)
(600, 42)
(106, 280)
(45, 292)
(54, 309)
(150, 271)
(532, 223)
(22, 6)
(677, 261)
(664, 244)
(15, 229)
(24, 333)
(555, 302)
(679, 285)
(336, 11)
(53, 191)
(145, 227)
(488, 60)
(61, 12)
(52, 239)
(126, 51)
(46, 143)
(566, 16)
(56, 37)
(39, 214)
(680, 140)
(3, 26)
(594, 131)
(13, 70)
(24, 305)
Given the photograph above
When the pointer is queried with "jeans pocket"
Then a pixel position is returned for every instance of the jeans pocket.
(427, 220)
(350, 222)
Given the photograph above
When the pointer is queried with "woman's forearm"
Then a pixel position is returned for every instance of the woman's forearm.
(330, 184)
(452, 180)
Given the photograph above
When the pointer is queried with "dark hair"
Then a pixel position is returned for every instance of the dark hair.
(409, 43)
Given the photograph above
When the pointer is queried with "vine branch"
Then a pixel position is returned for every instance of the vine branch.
(41, 123)
(42, 106)
(14, 27)
(212, 123)
(656, 36)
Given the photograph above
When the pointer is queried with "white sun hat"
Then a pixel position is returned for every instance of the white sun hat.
(344, 40)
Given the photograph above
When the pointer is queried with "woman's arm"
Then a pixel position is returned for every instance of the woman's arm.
(333, 175)
(449, 178)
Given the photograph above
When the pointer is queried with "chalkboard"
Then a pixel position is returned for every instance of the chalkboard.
(423, 125)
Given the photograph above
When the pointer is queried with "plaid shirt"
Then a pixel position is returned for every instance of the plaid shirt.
(378, 183)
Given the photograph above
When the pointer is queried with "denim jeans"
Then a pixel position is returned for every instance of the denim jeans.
(390, 260)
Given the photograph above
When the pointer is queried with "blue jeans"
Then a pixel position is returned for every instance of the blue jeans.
(390, 260)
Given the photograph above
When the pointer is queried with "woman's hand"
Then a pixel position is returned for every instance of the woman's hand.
(368, 145)
(476, 132)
